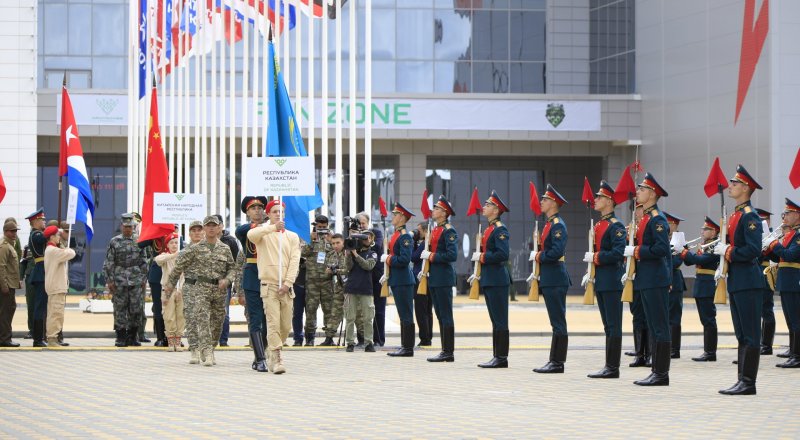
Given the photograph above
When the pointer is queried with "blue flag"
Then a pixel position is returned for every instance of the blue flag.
(283, 139)
(142, 56)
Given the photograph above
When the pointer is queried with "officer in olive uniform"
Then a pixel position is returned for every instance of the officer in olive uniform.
(553, 278)
(654, 276)
(400, 278)
(36, 245)
(257, 321)
(606, 255)
(768, 311)
(442, 275)
(745, 279)
(787, 252)
(677, 288)
(704, 288)
(495, 279)
(125, 269)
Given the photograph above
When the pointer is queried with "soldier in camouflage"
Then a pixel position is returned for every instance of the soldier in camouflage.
(125, 269)
(318, 283)
(196, 235)
(208, 270)
(336, 270)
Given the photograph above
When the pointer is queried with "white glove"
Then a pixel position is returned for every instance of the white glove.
(533, 256)
(382, 280)
(420, 275)
(383, 258)
(471, 279)
(588, 257)
(766, 242)
(425, 255)
(629, 250)
(530, 279)
(721, 248)
(476, 256)
(585, 280)
(718, 275)
(624, 278)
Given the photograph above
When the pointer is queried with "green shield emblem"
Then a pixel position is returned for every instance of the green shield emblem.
(555, 114)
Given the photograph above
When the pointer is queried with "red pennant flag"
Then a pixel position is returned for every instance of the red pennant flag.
(794, 174)
(588, 195)
(716, 180)
(156, 178)
(2, 188)
(474, 204)
(626, 188)
(67, 127)
(382, 207)
(536, 207)
(424, 207)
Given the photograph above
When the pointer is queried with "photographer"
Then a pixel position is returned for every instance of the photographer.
(358, 288)
(318, 286)
(379, 333)
(423, 306)
(336, 268)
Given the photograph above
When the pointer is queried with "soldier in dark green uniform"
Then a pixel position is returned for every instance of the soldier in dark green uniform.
(35, 279)
(400, 278)
(768, 311)
(676, 290)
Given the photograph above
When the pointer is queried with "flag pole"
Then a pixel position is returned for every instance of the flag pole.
(353, 117)
(338, 112)
(61, 159)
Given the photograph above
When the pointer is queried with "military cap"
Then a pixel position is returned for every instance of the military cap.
(136, 216)
(710, 224)
(495, 200)
(402, 210)
(552, 194)
(10, 226)
(320, 219)
(211, 219)
(444, 204)
(742, 176)
(605, 190)
(791, 206)
(219, 217)
(651, 183)
(249, 201)
(36, 214)
(195, 224)
(50, 231)
(763, 213)
(128, 219)
(672, 218)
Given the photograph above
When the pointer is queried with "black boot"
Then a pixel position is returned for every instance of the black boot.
(448, 346)
(558, 355)
(749, 371)
(61, 339)
(676, 342)
(494, 351)
(310, 339)
(39, 333)
(788, 351)
(637, 335)
(500, 359)
(709, 345)
(161, 332)
(328, 342)
(767, 337)
(122, 337)
(611, 369)
(661, 359)
(794, 359)
(133, 337)
(406, 342)
(640, 343)
(258, 350)
(360, 339)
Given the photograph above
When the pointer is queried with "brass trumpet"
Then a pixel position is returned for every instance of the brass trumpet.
(694, 241)
(709, 245)
(777, 234)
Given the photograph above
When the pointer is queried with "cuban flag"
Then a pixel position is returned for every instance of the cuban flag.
(72, 165)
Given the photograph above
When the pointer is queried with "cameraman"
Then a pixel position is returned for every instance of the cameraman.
(336, 269)
(379, 333)
(358, 288)
(318, 286)
(423, 306)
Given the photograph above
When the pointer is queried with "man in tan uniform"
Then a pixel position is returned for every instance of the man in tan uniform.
(278, 263)
(56, 282)
(9, 281)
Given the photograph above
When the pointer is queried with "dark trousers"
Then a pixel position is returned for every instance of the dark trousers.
(610, 304)
(379, 324)
(298, 308)
(442, 298)
(707, 311)
(555, 299)
(404, 301)
(790, 301)
(637, 310)
(675, 307)
(40, 302)
(155, 293)
(8, 305)
(30, 302)
(655, 304)
(226, 324)
(746, 313)
(768, 312)
(423, 311)
(257, 320)
(497, 305)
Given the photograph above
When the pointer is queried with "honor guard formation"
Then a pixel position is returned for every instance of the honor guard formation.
(278, 277)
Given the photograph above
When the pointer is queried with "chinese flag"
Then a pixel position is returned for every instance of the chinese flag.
(536, 207)
(794, 174)
(474, 204)
(626, 188)
(156, 177)
(382, 207)
(716, 180)
(424, 207)
(2, 187)
(588, 195)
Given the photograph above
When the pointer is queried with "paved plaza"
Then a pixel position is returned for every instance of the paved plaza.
(92, 390)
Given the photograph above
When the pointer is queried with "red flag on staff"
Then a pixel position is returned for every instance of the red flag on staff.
(716, 180)
(2, 187)
(156, 178)
(424, 207)
(535, 206)
(474, 204)
(794, 174)
(626, 188)
(588, 195)
(382, 207)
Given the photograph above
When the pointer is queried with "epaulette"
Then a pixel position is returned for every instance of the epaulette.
(556, 220)
(498, 224)
(748, 209)
(654, 213)
(613, 220)
(448, 226)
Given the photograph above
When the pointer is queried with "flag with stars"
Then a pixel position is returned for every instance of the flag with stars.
(156, 177)
(71, 161)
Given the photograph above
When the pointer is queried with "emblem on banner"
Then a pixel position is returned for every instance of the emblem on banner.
(555, 114)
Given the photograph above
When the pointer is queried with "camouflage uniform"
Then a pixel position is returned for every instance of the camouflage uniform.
(203, 266)
(126, 267)
(318, 286)
(339, 260)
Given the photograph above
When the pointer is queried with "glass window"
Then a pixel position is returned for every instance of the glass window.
(415, 76)
(55, 29)
(527, 78)
(109, 73)
(452, 34)
(490, 77)
(80, 29)
(415, 34)
(107, 23)
(383, 35)
(383, 76)
(527, 36)
(453, 77)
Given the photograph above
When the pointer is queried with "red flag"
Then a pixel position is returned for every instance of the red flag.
(424, 207)
(156, 178)
(588, 195)
(716, 180)
(794, 174)
(2, 188)
(68, 130)
(382, 207)
(626, 188)
(536, 207)
(474, 204)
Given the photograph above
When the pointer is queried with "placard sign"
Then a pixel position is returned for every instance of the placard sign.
(177, 208)
(281, 176)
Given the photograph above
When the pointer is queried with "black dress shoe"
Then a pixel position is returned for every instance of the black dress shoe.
(793, 362)
(39, 344)
(30, 336)
(654, 380)
(9, 344)
(630, 353)
(350, 348)
(766, 350)
(297, 343)
(741, 388)
(369, 348)
(63, 344)
(442, 357)
(424, 344)
(606, 373)
(675, 355)
(550, 367)
(328, 342)
(639, 362)
(495, 362)
(223, 344)
(706, 357)
(160, 343)
(402, 352)
(145, 340)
